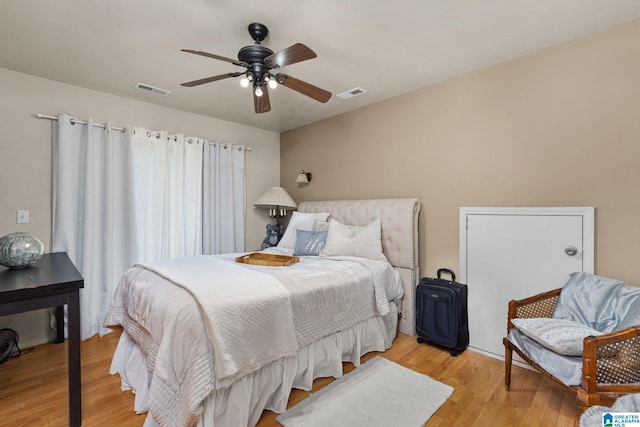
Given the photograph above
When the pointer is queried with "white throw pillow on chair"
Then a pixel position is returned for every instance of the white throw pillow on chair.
(559, 335)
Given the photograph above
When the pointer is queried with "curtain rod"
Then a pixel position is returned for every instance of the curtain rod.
(80, 122)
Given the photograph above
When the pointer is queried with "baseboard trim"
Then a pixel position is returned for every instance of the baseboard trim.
(516, 359)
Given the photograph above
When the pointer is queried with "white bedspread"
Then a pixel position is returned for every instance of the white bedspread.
(325, 296)
(332, 294)
(236, 302)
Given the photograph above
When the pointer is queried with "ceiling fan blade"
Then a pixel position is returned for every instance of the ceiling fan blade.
(262, 103)
(304, 88)
(296, 53)
(210, 79)
(214, 56)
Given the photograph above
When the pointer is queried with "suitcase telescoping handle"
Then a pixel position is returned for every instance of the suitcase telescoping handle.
(449, 272)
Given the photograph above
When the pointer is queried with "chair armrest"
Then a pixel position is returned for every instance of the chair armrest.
(612, 361)
(540, 305)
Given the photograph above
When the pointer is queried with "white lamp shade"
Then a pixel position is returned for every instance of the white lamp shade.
(276, 197)
(302, 178)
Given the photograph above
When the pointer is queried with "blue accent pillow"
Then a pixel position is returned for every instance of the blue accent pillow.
(309, 242)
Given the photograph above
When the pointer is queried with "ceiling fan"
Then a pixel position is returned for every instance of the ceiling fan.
(259, 62)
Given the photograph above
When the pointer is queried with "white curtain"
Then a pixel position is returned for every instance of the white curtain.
(125, 197)
(168, 194)
(224, 198)
(93, 211)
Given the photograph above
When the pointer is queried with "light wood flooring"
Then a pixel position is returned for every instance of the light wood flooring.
(33, 389)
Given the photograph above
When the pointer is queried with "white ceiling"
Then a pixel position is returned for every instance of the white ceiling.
(385, 47)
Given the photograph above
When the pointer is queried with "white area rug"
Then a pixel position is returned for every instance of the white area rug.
(379, 393)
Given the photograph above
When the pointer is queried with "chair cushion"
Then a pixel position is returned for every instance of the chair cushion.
(567, 369)
(559, 335)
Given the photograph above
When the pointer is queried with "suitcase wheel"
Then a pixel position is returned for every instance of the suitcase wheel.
(454, 352)
(421, 340)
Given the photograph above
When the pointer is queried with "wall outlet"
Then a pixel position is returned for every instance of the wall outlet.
(22, 217)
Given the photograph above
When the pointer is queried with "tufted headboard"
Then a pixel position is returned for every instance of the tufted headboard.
(399, 221)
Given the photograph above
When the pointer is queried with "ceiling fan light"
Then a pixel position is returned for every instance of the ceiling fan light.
(244, 82)
(258, 91)
(273, 83)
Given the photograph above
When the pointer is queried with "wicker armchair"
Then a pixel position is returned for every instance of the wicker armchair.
(610, 362)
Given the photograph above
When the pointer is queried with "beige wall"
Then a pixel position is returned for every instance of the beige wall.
(557, 128)
(25, 156)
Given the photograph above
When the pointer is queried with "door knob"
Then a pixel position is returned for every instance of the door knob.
(571, 250)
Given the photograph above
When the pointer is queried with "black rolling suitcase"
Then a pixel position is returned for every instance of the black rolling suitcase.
(442, 316)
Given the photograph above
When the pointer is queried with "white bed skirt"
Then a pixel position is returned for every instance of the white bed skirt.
(242, 403)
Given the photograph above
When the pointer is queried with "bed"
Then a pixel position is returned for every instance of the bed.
(194, 356)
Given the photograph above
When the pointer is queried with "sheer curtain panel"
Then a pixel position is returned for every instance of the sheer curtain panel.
(121, 198)
(224, 198)
(168, 194)
(93, 211)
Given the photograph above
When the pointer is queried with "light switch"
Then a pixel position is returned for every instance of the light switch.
(22, 217)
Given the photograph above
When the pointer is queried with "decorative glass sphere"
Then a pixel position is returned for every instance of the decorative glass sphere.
(18, 250)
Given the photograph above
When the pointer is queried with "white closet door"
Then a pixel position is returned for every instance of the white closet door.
(512, 253)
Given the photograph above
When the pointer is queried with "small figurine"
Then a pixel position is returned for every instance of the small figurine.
(274, 232)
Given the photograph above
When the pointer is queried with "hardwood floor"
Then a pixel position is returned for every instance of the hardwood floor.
(33, 389)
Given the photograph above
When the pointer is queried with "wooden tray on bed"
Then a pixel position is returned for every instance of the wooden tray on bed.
(273, 260)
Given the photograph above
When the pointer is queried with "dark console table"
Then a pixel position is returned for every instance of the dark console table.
(53, 281)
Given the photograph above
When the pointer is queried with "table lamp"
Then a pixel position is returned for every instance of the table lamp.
(278, 201)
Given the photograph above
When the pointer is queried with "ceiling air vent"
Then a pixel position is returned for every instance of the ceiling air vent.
(352, 93)
(152, 89)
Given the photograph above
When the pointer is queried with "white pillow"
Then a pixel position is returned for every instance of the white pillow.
(353, 240)
(320, 225)
(559, 335)
(299, 221)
